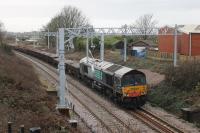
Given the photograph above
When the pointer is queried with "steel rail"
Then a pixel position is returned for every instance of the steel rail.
(148, 118)
(78, 99)
(161, 120)
(154, 122)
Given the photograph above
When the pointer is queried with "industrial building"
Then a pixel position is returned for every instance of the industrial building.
(188, 40)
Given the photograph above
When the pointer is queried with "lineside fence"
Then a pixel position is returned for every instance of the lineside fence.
(163, 56)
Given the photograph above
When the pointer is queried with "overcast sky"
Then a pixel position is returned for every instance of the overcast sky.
(28, 15)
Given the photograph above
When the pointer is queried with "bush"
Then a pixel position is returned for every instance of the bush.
(5, 48)
(184, 77)
(167, 97)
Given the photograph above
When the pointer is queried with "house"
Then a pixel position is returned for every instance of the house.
(188, 40)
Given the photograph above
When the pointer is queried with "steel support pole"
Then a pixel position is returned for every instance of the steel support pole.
(125, 49)
(175, 46)
(87, 46)
(102, 48)
(48, 39)
(190, 45)
(62, 77)
(57, 44)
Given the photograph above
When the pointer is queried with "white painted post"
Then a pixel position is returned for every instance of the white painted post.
(125, 47)
(63, 103)
(175, 46)
(48, 39)
(102, 48)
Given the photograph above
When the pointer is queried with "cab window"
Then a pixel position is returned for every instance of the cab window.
(133, 80)
(117, 82)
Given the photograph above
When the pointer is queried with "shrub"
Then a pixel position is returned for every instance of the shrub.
(167, 97)
(5, 48)
(184, 77)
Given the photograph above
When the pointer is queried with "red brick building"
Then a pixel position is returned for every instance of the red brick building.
(188, 43)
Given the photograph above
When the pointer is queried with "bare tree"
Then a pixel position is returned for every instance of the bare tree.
(69, 17)
(145, 25)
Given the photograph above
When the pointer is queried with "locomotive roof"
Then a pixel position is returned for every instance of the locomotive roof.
(123, 71)
(107, 67)
(97, 63)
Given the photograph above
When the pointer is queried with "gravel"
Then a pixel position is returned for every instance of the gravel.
(174, 120)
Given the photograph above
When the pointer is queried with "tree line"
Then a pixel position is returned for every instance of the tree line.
(71, 17)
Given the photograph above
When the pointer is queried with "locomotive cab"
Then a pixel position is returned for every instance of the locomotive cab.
(134, 84)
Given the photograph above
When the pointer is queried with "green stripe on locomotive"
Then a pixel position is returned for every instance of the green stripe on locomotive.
(98, 74)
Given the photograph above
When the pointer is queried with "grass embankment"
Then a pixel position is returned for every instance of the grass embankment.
(181, 88)
(23, 100)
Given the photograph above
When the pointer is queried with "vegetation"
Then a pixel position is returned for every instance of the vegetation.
(5, 49)
(181, 87)
(23, 99)
(69, 17)
(185, 77)
(109, 41)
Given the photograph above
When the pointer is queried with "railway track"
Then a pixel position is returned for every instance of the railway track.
(108, 120)
(155, 122)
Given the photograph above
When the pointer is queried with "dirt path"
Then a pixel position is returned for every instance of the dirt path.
(153, 78)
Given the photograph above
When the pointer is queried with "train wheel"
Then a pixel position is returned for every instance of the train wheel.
(143, 100)
(111, 96)
(93, 86)
(138, 102)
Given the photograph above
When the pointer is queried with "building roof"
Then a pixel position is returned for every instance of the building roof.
(190, 29)
(147, 43)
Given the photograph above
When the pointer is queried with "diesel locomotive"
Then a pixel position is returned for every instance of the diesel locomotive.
(124, 84)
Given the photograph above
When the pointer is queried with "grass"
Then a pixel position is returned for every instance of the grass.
(137, 63)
